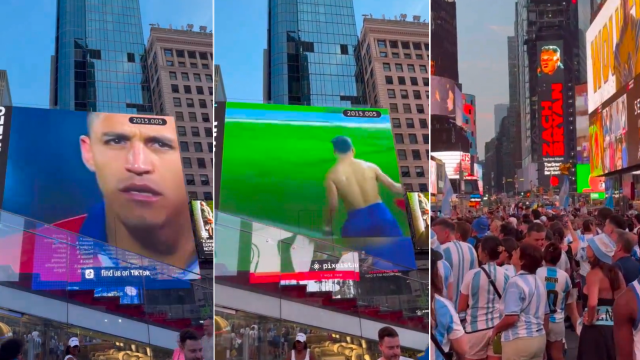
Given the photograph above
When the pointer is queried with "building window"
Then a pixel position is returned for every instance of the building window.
(208, 132)
(402, 154)
(173, 76)
(405, 45)
(423, 123)
(169, 63)
(416, 95)
(209, 78)
(382, 44)
(210, 146)
(415, 154)
(190, 103)
(386, 67)
(179, 116)
(192, 55)
(193, 195)
(186, 163)
(383, 54)
(187, 89)
(195, 131)
(410, 124)
(393, 108)
(199, 90)
(210, 90)
(180, 53)
(189, 179)
(205, 117)
(391, 94)
(208, 196)
(193, 117)
(203, 56)
(425, 139)
(182, 131)
(419, 171)
(388, 80)
(414, 81)
(204, 179)
(131, 57)
(423, 69)
(185, 76)
(422, 187)
(197, 146)
(406, 108)
(175, 89)
(402, 80)
(393, 44)
(181, 64)
(405, 172)
(396, 123)
(417, 46)
(194, 65)
(168, 53)
(413, 139)
(407, 56)
(202, 103)
(411, 69)
(419, 57)
(404, 94)
(177, 102)
(395, 55)
(205, 66)
(344, 49)
(201, 163)
(425, 81)
(399, 138)
(184, 146)
(408, 187)
(399, 68)
(420, 108)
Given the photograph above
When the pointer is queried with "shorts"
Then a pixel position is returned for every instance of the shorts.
(524, 348)
(556, 331)
(479, 345)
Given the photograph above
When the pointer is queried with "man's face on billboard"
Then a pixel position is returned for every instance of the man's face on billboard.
(137, 167)
(549, 61)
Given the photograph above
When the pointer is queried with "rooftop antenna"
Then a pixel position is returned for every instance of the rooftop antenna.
(190, 27)
(416, 18)
(203, 28)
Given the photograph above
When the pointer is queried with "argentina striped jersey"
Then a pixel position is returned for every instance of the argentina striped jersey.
(462, 258)
(447, 326)
(525, 297)
(509, 269)
(445, 275)
(558, 285)
(484, 305)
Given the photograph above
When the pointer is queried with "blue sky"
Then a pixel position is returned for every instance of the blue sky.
(241, 36)
(28, 36)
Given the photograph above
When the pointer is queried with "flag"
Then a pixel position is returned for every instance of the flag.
(609, 200)
(448, 194)
(564, 194)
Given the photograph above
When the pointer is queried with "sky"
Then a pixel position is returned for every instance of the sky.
(482, 58)
(28, 39)
(239, 53)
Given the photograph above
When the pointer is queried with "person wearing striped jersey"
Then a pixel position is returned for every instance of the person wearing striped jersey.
(558, 286)
(480, 296)
(626, 322)
(526, 311)
(443, 269)
(460, 256)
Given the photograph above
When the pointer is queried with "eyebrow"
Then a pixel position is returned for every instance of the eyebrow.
(158, 138)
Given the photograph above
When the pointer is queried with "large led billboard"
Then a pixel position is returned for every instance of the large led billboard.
(442, 99)
(115, 179)
(479, 175)
(582, 124)
(587, 183)
(455, 162)
(612, 51)
(202, 216)
(300, 173)
(218, 139)
(631, 142)
(433, 177)
(551, 97)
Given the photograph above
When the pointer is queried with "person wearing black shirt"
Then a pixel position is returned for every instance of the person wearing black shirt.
(622, 259)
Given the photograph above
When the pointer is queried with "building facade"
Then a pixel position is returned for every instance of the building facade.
(469, 122)
(499, 112)
(99, 62)
(444, 38)
(393, 64)
(310, 53)
(5, 92)
(180, 66)
(489, 171)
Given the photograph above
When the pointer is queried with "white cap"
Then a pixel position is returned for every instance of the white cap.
(543, 219)
(74, 342)
(301, 337)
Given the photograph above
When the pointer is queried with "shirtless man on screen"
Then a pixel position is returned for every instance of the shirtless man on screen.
(355, 182)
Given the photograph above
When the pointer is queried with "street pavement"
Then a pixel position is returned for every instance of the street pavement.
(572, 345)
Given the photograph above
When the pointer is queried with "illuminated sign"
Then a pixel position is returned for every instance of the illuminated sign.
(553, 123)
(551, 104)
(475, 198)
(454, 162)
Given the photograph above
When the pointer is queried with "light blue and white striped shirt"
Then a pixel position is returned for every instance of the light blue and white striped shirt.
(509, 269)
(484, 310)
(445, 275)
(462, 258)
(526, 297)
(447, 325)
(558, 285)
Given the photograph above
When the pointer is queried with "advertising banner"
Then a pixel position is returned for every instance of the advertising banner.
(582, 124)
(306, 172)
(460, 104)
(631, 142)
(418, 214)
(433, 177)
(454, 162)
(443, 97)
(612, 50)
(587, 183)
(115, 179)
(551, 95)
(479, 175)
(202, 216)
(218, 138)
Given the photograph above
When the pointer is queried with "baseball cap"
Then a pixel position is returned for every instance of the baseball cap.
(74, 342)
(480, 226)
(301, 337)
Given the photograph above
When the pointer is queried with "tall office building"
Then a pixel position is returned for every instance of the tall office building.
(444, 38)
(5, 92)
(393, 65)
(99, 62)
(180, 66)
(499, 112)
(218, 85)
(310, 53)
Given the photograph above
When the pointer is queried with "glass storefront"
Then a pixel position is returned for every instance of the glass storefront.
(245, 336)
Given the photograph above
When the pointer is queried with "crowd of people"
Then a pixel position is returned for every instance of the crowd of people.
(509, 284)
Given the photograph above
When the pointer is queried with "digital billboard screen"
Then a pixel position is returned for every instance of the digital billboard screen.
(418, 213)
(306, 172)
(582, 124)
(433, 177)
(218, 139)
(596, 144)
(116, 180)
(587, 183)
(479, 175)
(455, 162)
(442, 99)
(631, 142)
(551, 97)
(202, 216)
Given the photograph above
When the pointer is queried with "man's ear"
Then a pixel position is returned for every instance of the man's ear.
(87, 155)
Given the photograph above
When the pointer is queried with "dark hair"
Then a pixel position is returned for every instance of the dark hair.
(387, 332)
(536, 214)
(603, 214)
(435, 281)
(611, 272)
(552, 253)
(530, 257)
(445, 223)
(617, 221)
(526, 217)
(11, 349)
(548, 236)
(527, 221)
(536, 227)
(464, 229)
(587, 225)
(510, 245)
(557, 231)
(342, 145)
(508, 230)
(637, 217)
(188, 334)
(491, 246)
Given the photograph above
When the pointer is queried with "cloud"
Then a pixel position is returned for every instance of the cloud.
(502, 30)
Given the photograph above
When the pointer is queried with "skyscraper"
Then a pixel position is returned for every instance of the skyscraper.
(444, 38)
(99, 62)
(5, 93)
(499, 112)
(310, 53)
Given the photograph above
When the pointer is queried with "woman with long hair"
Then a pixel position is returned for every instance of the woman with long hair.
(510, 245)
(604, 284)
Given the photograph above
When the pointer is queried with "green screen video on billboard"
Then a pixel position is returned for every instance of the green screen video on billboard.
(314, 173)
(587, 183)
